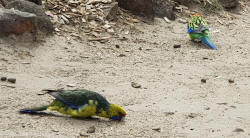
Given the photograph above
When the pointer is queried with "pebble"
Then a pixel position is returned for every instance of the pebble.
(12, 80)
(238, 130)
(192, 115)
(157, 129)
(182, 21)
(177, 46)
(121, 55)
(169, 113)
(135, 85)
(117, 46)
(3, 78)
(231, 81)
(91, 129)
(84, 135)
(203, 80)
(71, 85)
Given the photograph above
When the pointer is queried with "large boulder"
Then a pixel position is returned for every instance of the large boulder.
(141, 7)
(164, 8)
(5, 2)
(43, 22)
(16, 22)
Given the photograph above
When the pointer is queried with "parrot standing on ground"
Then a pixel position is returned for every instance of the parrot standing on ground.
(198, 30)
(80, 103)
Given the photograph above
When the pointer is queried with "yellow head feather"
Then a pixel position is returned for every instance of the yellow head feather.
(116, 110)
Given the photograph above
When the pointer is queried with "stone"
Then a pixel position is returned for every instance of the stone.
(135, 85)
(91, 129)
(164, 8)
(139, 7)
(3, 78)
(43, 22)
(16, 22)
(5, 2)
(38, 2)
(229, 3)
(12, 80)
(111, 12)
(203, 80)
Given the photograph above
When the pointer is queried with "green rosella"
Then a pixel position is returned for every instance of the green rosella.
(80, 103)
(198, 30)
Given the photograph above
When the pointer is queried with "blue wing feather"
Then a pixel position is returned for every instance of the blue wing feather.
(208, 42)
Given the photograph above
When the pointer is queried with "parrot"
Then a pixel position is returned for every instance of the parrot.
(80, 103)
(198, 30)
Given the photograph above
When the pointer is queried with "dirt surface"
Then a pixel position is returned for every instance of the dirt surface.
(172, 102)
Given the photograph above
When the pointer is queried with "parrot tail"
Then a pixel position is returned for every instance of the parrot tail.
(33, 110)
(208, 42)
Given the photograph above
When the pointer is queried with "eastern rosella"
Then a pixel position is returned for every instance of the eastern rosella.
(80, 103)
(198, 30)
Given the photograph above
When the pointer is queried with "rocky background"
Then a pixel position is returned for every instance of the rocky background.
(139, 58)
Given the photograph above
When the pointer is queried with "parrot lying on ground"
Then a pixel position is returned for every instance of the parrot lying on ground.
(198, 30)
(80, 103)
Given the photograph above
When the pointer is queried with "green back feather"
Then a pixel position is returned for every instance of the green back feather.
(82, 97)
(197, 23)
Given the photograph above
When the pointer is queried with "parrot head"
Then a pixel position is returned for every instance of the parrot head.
(116, 112)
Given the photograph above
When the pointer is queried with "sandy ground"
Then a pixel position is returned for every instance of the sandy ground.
(172, 97)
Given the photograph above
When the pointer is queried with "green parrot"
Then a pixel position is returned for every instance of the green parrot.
(80, 103)
(198, 30)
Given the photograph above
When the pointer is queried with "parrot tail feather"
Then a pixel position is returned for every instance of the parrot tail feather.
(33, 110)
(208, 42)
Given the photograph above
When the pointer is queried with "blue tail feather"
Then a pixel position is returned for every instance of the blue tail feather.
(208, 42)
(24, 111)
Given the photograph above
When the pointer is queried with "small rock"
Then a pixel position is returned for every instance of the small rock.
(117, 46)
(182, 21)
(203, 80)
(169, 113)
(122, 55)
(135, 85)
(54, 130)
(231, 81)
(157, 129)
(91, 129)
(232, 106)
(207, 108)
(204, 58)
(192, 115)
(84, 135)
(3, 78)
(177, 46)
(238, 130)
(12, 80)
(71, 85)
(140, 48)
(221, 103)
